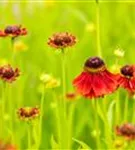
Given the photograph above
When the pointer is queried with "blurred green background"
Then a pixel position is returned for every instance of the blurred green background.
(42, 19)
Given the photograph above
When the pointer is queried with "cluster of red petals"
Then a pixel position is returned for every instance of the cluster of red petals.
(95, 81)
(127, 78)
(28, 113)
(7, 146)
(127, 131)
(62, 40)
(8, 74)
(13, 31)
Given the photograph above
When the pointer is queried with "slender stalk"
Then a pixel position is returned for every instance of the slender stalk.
(41, 116)
(126, 109)
(29, 136)
(99, 51)
(12, 49)
(64, 140)
(97, 123)
(64, 81)
(117, 109)
(58, 119)
(133, 116)
(3, 106)
(70, 123)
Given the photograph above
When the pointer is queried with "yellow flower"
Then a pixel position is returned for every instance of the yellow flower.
(20, 46)
(49, 81)
(90, 27)
(119, 143)
(119, 52)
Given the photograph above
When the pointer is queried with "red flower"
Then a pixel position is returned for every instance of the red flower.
(95, 80)
(127, 78)
(13, 31)
(62, 40)
(127, 131)
(7, 73)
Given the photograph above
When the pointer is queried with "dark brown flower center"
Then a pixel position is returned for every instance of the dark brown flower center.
(8, 30)
(94, 63)
(127, 129)
(127, 71)
(12, 30)
(8, 73)
(66, 39)
(58, 41)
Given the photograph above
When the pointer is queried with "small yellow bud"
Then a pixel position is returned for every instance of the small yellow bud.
(49, 81)
(20, 46)
(119, 52)
(115, 68)
(118, 143)
(90, 27)
(45, 78)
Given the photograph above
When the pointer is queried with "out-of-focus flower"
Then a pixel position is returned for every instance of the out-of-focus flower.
(8, 74)
(28, 113)
(13, 31)
(62, 40)
(119, 52)
(119, 143)
(95, 80)
(90, 27)
(49, 81)
(20, 46)
(71, 96)
(126, 130)
(7, 146)
(126, 79)
(115, 68)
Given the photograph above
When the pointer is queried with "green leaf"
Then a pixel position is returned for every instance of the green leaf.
(54, 144)
(110, 113)
(82, 144)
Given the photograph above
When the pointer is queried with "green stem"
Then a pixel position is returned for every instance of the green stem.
(58, 118)
(133, 117)
(3, 106)
(97, 124)
(97, 1)
(99, 52)
(64, 142)
(126, 108)
(13, 50)
(29, 136)
(117, 109)
(64, 81)
(41, 116)
(70, 123)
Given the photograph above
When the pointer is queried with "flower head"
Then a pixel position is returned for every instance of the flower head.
(8, 74)
(49, 81)
(20, 46)
(95, 80)
(13, 31)
(127, 78)
(62, 40)
(28, 113)
(71, 96)
(126, 130)
(119, 52)
(7, 146)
